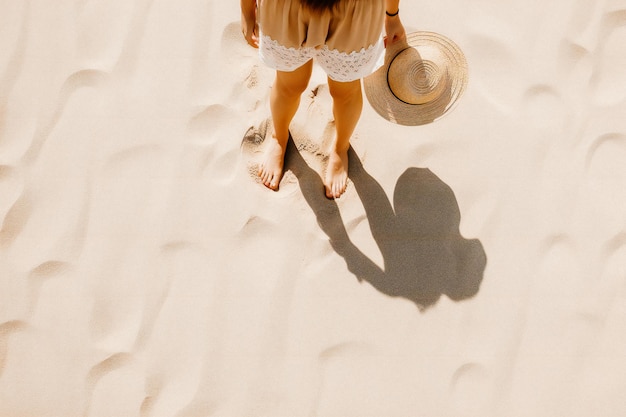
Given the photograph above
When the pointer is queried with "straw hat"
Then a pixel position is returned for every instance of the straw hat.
(421, 80)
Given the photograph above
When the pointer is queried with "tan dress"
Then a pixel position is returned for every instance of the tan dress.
(346, 41)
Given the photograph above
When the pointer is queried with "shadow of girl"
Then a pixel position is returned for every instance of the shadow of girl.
(424, 253)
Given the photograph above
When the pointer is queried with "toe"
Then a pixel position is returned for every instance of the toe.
(271, 182)
(340, 188)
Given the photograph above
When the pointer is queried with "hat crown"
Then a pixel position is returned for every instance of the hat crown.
(417, 78)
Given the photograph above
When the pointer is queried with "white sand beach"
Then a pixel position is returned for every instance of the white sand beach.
(476, 266)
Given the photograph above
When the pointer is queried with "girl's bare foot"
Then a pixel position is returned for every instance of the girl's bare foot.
(271, 168)
(336, 178)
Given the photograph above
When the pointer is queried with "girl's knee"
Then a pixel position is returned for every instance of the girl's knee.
(291, 88)
(344, 90)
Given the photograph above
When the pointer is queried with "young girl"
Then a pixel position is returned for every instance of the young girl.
(345, 38)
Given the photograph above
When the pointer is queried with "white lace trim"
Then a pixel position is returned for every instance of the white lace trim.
(340, 66)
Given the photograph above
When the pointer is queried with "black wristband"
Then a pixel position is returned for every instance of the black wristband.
(392, 14)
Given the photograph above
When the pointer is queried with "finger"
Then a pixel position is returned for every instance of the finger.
(252, 41)
(397, 37)
(255, 35)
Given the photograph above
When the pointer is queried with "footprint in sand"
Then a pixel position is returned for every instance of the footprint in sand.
(110, 364)
(606, 171)
(213, 156)
(6, 330)
(608, 286)
(42, 273)
(545, 108)
(559, 272)
(11, 204)
(613, 258)
(471, 388)
(211, 124)
(609, 82)
(15, 220)
(575, 62)
(346, 372)
(103, 396)
(78, 80)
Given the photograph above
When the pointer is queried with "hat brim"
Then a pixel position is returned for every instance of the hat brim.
(389, 106)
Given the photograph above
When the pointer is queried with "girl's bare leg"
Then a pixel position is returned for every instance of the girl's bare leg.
(347, 106)
(284, 102)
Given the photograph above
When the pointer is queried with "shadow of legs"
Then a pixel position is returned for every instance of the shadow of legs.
(328, 216)
(424, 253)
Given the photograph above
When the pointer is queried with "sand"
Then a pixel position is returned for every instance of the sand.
(476, 266)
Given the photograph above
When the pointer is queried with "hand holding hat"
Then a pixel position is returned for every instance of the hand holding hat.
(422, 79)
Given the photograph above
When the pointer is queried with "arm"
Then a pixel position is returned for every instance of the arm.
(393, 26)
(249, 26)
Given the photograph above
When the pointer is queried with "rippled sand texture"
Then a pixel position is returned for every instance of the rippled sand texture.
(475, 267)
